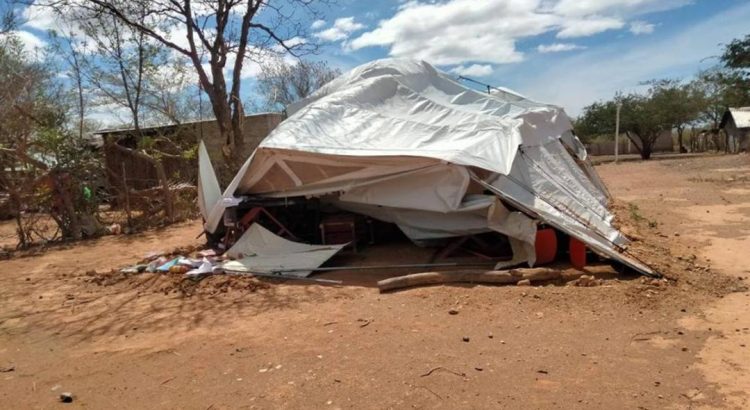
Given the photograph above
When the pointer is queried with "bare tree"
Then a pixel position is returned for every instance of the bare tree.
(66, 46)
(9, 17)
(216, 35)
(281, 83)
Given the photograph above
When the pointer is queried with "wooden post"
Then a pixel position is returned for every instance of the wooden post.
(127, 196)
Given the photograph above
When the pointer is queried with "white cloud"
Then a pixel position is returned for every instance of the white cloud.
(462, 31)
(40, 17)
(318, 24)
(624, 8)
(580, 79)
(558, 47)
(459, 31)
(588, 26)
(30, 41)
(341, 29)
(641, 27)
(476, 70)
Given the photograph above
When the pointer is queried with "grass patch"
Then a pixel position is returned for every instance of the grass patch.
(635, 214)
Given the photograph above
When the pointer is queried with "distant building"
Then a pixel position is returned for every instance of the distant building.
(140, 174)
(736, 123)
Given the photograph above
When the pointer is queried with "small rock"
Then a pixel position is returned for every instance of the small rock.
(479, 369)
(453, 312)
(466, 339)
(490, 335)
(524, 282)
(66, 397)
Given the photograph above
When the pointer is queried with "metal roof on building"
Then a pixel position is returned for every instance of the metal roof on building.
(740, 115)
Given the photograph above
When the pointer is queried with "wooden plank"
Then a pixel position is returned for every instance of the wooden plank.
(501, 277)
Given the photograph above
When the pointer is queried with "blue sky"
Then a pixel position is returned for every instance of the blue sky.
(566, 52)
(618, 43)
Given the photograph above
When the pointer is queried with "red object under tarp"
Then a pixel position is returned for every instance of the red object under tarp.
(545, 246)
(577, 251)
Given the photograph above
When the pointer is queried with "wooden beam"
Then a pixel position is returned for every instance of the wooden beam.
(497, 277)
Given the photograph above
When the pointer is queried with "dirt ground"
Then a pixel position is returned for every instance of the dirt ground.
(152, 341)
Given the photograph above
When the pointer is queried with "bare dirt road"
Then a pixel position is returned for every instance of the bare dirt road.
(150, 341)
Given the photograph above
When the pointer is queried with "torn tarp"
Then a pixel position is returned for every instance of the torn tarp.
(261, 251)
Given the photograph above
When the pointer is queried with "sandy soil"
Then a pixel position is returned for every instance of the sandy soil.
(153, 341)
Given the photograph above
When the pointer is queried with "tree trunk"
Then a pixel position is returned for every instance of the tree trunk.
(681, 148)
(646, 152)
(71, 223)
(168, 200)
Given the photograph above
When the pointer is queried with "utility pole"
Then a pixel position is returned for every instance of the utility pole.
(617, 131)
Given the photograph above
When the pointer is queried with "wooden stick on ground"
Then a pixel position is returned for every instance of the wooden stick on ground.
(498, 277)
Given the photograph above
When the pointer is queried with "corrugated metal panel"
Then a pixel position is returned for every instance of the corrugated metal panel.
(741, 116)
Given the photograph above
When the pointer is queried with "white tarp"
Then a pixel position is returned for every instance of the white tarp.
(209, 192)
(261, 251)
(400, 141)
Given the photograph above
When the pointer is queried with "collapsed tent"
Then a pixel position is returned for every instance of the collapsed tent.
(402, 142)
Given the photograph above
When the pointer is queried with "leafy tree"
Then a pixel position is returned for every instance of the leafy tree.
(597, 119)
(42, 166)
(642, 119)
(736, 60)
(737, 54)
(678, 102)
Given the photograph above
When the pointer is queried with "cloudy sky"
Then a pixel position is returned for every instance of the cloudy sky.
(567, 52)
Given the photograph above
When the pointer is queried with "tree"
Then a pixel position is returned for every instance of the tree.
(678, 102)
(597, 119)
(281, 83)
(68, 48)
(642, 119)
(9, 16)
(736, 60)
(216, 36)
(42, 167)
(737, 55)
